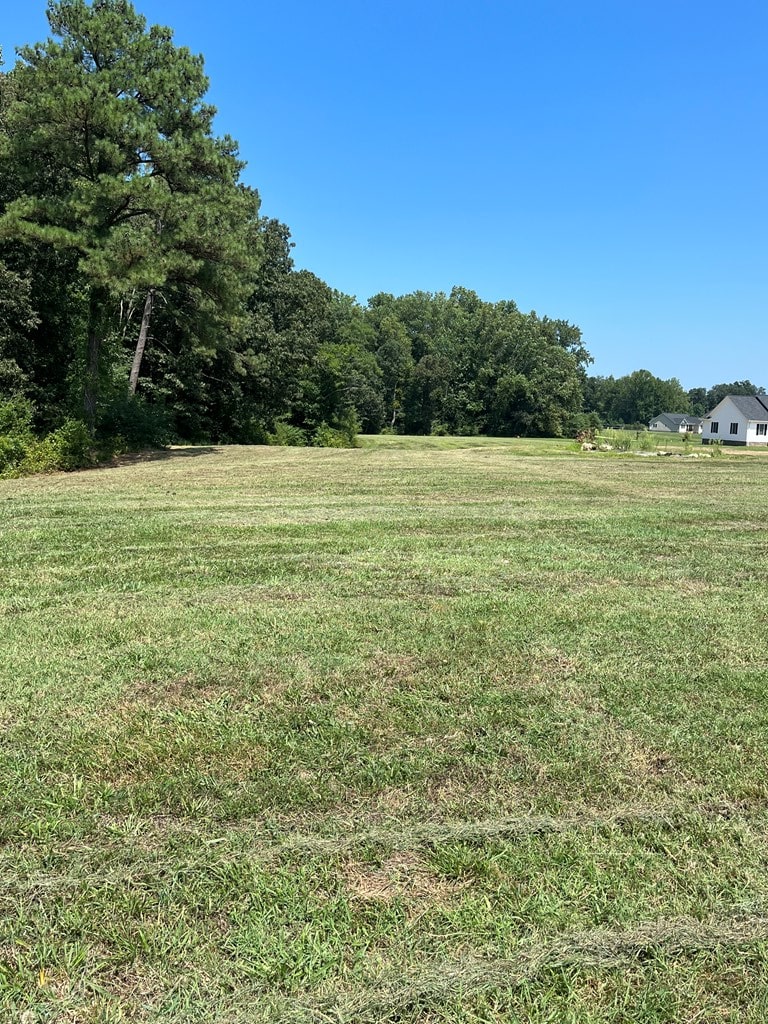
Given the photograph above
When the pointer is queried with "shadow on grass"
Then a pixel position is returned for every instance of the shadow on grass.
(159, 455)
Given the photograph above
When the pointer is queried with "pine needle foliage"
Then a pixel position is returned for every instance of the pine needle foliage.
(113, 145)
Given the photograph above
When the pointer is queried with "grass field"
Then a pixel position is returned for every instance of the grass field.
(450, 731)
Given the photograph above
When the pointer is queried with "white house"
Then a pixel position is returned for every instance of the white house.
(676, 423)
(738, 419)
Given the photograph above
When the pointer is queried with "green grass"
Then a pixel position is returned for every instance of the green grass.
(434, 730)
(510, 445)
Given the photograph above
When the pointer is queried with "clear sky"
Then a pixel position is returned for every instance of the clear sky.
(600, 161)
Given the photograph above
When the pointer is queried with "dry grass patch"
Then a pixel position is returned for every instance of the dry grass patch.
(403, 876)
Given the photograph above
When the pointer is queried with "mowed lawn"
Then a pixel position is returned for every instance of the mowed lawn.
(439, 732)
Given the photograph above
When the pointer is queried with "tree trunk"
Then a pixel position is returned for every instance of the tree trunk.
(142, 341)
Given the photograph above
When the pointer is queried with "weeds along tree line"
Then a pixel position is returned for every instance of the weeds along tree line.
(144, 298)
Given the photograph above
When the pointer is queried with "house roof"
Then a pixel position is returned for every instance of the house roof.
(754, 407)
(675, 419)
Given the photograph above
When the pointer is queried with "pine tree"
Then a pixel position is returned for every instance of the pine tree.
(113, 148)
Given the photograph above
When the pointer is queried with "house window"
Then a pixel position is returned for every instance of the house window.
(762, 429)
(734, 428)
(714, 426)
(689, 428)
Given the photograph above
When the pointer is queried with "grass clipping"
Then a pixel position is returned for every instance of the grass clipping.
(597, 948)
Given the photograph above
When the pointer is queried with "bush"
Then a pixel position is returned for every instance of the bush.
(16, 438)
(71, 446)
(342, 435)
(68, 448)
(16, 416)
(349, 427)
(13, 448)
(329, 437)
(21, 453)
(287, 436)
(646, 442)
(586, 423)
(253, 432)
(40, 457)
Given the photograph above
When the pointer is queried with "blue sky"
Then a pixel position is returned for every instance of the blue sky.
(599, 161)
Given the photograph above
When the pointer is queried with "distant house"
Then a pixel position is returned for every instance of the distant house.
(738, 419)
(675, 423)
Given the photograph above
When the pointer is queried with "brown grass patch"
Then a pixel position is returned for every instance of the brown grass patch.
(190, 691)
(402, 876)
(396, 669)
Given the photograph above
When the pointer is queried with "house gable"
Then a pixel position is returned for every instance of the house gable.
(737, 419)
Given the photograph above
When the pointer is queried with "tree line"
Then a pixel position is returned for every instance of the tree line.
(636, 398)
(146, 298)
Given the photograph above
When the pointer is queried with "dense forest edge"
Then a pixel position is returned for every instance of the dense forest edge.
(146, 300)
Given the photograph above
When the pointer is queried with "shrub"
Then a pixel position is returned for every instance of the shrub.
(21, 453)
(68, 448)
(342, 435)
(16, 438)
(349, 427)
(16, 416)
(329, 437)
(254, 432)
(71, 446)
(40, 457)
(13, 448)
(582, 423)
(287, 436)
(646, 442)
